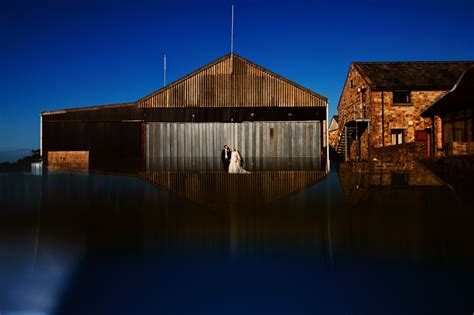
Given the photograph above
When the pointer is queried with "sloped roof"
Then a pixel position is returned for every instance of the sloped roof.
(460, 96)
(334, 124)
(436, 75)
(88, 108)
(232, 81)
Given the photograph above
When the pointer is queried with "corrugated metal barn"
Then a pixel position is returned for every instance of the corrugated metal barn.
(273, 121)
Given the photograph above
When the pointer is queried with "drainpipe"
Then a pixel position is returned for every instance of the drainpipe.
(383, 126)
(433, 138)
(367, 114)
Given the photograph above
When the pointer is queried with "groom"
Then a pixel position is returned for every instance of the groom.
(225, 157)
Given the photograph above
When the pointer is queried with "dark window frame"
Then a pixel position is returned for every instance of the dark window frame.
(449, 122)
(401, 97)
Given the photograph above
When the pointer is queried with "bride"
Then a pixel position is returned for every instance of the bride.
(235, 166)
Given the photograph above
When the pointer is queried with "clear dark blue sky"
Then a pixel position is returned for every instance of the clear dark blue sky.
(61, 54)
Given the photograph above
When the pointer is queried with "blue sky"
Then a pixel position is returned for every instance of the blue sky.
(60, 54)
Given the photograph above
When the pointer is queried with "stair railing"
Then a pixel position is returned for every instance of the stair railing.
(342, 124)
(356, 111)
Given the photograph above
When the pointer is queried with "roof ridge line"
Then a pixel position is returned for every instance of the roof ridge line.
(85, 108)
(297, 85)
(288, 81)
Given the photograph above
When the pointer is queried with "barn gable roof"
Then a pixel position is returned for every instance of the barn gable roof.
(232, 81)
(432, 75)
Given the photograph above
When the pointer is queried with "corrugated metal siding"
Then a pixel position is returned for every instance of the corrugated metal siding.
(256, 139)
(197, 146)
(233, 82)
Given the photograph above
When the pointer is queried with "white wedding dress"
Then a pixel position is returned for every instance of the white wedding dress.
(234, 166)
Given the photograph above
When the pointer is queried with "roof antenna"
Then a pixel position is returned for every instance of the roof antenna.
(232, 43)
(164, 69)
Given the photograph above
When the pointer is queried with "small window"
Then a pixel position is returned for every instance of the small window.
(447, 133)
(397, 136)
(401, 97)
(351, 83)
(459, 131)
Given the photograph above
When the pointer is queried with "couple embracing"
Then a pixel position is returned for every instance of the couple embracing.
(232, 161)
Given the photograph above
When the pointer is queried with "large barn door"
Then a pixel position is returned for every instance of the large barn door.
(263, 145)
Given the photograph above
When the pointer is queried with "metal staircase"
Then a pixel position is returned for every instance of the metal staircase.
(355, 121)
(346, 137)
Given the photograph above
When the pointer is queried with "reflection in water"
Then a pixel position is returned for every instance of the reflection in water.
(214, 164)
(359, 178)
(247, 191)
(213, 243)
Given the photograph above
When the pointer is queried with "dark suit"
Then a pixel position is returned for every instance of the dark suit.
(225, 161)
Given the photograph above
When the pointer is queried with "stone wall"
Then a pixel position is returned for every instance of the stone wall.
(75, 160)
(406, 117)
(403, 152)
(355, 102)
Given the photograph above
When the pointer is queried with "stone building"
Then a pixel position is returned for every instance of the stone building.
(455, 109)
(333, 131)
(381, 103)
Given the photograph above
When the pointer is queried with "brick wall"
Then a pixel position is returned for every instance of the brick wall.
(76, 160)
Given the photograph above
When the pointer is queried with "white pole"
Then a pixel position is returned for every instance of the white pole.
(232, 33)
(328, 165)
(164, 69)
(41, 135)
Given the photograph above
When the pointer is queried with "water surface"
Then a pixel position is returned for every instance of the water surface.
(286, 242)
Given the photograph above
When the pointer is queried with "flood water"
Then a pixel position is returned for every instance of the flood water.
(272, 242)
